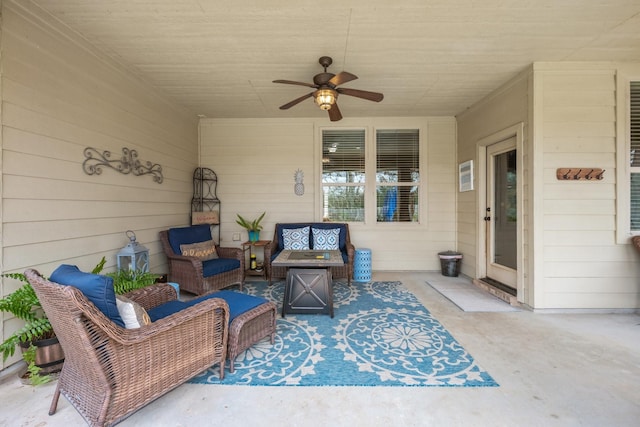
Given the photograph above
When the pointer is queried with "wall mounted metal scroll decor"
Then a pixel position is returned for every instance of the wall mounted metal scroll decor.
(129, 163)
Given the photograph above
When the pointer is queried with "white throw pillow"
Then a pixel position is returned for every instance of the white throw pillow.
(326, 239)
(296, 238)
(132, 313)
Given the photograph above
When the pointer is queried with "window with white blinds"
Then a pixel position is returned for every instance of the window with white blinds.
(343, 175)
(634, 154)
(396, 181)
(397, 175)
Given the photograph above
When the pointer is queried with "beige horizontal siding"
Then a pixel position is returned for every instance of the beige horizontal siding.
(583, 266)
(256, 160)
(59, 96)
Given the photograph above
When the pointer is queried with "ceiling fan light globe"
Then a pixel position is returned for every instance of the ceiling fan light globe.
(325, 98)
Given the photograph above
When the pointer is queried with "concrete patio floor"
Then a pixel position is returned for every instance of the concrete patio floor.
(560, 369)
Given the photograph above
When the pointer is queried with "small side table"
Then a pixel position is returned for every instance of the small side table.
(250, 246)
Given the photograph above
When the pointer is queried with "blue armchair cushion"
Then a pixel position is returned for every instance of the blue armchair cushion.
(238, 303)
(97, 288)
(219, 265)
(187, 235)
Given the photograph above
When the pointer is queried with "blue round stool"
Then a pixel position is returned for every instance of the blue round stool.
(362, 265)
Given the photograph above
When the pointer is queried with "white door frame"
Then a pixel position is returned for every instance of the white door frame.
(516, 131)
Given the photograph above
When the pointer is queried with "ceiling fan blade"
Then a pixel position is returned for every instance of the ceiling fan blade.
(296, 101)
(342, 78)
(291, 82)
(371, 96)
(334, 113)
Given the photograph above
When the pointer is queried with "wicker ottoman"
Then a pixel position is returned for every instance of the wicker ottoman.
(250, 327)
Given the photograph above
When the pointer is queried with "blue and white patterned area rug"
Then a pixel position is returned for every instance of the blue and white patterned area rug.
(380, 336)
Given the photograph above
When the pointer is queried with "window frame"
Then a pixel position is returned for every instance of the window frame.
(398, 184)
(623, 155)
(355, 184)
(370, 184)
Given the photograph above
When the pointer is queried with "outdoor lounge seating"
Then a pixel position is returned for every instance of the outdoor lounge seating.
(342, 240)
(206, 270)
(251, 319)
(109, 371)
(635, 241)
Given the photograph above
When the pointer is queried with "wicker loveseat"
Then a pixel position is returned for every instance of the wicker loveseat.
(195, 275)
(277, 245)
(109, 371)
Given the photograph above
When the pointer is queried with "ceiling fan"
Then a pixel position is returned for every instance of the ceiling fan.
(327, 90)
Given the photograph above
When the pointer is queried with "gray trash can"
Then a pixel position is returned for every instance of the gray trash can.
(450, 263)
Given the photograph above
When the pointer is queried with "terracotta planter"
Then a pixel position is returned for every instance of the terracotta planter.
(49, 354)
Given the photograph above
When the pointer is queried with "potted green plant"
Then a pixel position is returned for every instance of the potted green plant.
(253, 227)
(37, 331)
(128, 280)
(34, 374)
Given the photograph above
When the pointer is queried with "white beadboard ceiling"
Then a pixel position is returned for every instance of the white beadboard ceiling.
(429, 57)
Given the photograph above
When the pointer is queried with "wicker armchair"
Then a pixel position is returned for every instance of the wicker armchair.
(635, 241)
(276, 245)
(190, 272)
(110, 372)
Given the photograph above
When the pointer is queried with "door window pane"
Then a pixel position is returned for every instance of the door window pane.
(505, 210)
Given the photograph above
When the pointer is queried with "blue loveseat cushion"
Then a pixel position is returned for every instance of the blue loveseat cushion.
(97, 288)
(187, 235)
(238, 303)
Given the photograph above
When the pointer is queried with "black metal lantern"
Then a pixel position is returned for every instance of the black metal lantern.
(134, 256)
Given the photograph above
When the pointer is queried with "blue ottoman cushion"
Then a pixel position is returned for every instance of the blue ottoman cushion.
(238, 303)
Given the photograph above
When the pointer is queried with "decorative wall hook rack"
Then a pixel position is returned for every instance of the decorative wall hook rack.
(129, 163)
(579, 174)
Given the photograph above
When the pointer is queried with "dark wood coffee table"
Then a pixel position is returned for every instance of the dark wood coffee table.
(309, 285)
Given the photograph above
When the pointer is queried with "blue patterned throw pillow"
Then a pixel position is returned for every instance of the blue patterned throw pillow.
(296, 238)
(326, 239)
